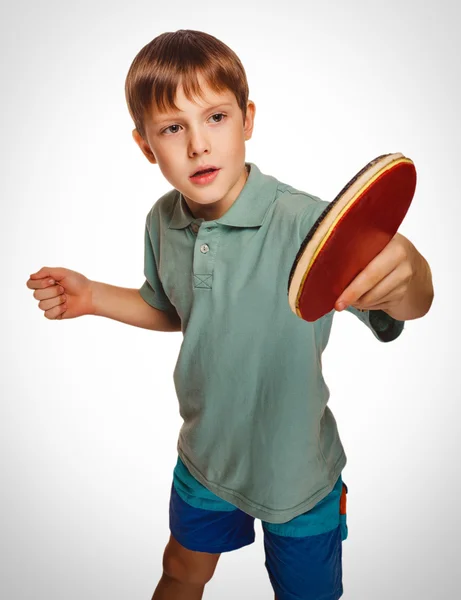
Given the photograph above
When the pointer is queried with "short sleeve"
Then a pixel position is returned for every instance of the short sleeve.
(384, 327)
(309, 216)
(152, 290)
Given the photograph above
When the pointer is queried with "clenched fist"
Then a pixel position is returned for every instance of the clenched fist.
(63, 294)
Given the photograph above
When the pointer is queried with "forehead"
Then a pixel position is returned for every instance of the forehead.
(188, 101)
(206, 97)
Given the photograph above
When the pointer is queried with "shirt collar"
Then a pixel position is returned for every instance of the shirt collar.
(248, 210)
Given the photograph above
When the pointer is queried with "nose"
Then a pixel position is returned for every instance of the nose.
(199, 142)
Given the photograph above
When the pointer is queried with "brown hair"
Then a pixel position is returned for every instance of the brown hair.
(175, 58)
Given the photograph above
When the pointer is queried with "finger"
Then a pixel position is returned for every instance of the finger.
(41, 273)
(56, 312)
(391, 288)
(48, 292)
(52, 302)
(365, 281)
(388, 301)
(380, 291)
(56, 273)
(380, 306)
(378, 269)
(35, 284)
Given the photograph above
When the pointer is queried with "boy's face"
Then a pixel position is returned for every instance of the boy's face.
(208, 131)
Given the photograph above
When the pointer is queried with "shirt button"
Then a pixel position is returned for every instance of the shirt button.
(195, 227)
(204, 248)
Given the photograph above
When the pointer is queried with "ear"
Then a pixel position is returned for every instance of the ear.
(145, 148)
(249, 120)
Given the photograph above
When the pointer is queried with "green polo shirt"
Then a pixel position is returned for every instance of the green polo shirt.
(257, 430)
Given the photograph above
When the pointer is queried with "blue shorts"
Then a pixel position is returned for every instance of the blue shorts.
(303, 556)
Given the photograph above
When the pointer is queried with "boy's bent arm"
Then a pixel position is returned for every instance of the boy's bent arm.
(128, 306)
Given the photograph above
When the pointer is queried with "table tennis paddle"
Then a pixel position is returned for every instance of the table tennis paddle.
(351, 231)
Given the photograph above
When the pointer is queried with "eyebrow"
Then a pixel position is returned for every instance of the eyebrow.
(173, 115)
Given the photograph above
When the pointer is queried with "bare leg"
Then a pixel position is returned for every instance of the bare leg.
(169, 589)
(185, 573)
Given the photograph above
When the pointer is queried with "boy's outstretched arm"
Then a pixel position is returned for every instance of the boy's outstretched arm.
(397, 281)
(128, 306)
(66, 294)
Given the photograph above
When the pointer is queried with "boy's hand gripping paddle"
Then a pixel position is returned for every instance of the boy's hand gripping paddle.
(350, 232)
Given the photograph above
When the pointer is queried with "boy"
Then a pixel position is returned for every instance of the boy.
(258, 440)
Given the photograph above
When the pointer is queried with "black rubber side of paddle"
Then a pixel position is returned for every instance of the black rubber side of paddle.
(316, 225)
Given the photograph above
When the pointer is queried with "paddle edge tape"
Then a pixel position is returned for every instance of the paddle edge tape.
(393, 159)
(328, 208)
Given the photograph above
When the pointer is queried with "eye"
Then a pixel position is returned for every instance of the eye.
(170, 127)
(173, 129)
(218, 115)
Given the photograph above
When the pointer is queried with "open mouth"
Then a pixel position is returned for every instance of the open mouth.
(204, 172)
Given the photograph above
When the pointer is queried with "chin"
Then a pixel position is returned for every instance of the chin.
(207, 196)
(207, 201)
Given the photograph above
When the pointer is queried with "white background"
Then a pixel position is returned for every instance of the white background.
(89, 417)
